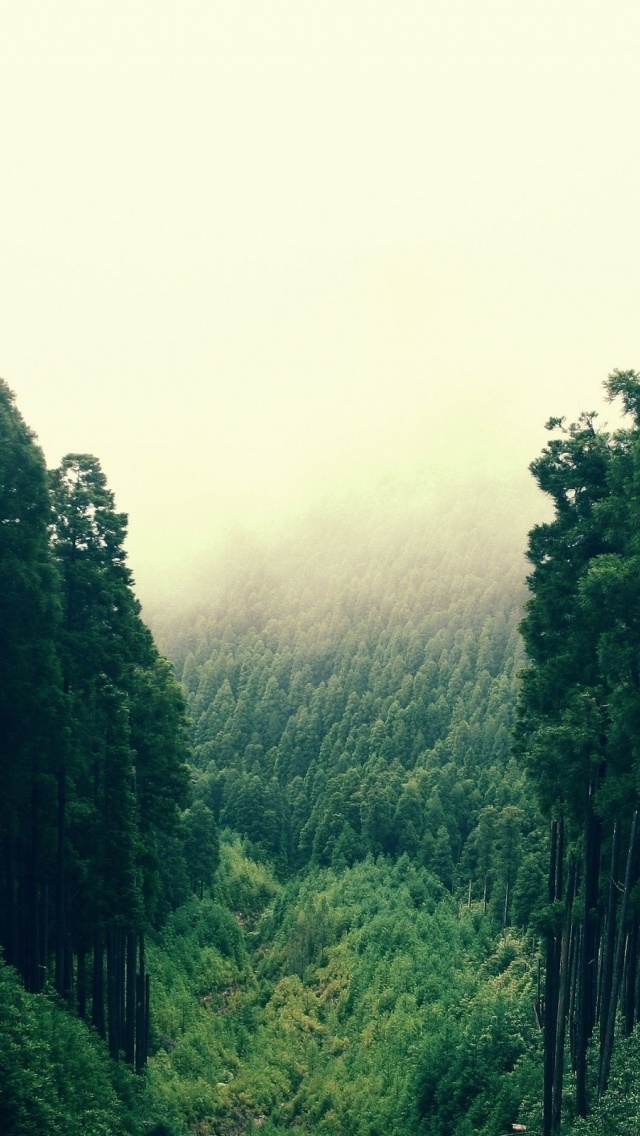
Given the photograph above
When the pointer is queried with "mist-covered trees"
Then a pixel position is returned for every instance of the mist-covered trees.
(92, 739)
(352, 694)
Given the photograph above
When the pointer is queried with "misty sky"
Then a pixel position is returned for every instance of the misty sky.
(252, 250)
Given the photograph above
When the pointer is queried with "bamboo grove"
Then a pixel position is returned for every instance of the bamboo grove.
(579, 733)
(92, 745)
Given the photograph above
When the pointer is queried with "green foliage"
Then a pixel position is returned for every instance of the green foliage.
(351, 718)
(93, 740)
(352, 693)
(201, 846)
(332, 1014)
(618, 1111)
(56, 1078)
(577, 732)
(244, 886)
(30, 695)
(578, 708)
(343, 959)
(479, 1073)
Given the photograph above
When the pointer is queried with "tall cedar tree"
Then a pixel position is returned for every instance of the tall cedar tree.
(578, 731)
(92, 743)
(124, 777)
(29, 695)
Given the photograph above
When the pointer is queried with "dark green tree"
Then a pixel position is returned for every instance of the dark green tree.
(201, 846)
(30, 711)
(577, 721)
(122, 778)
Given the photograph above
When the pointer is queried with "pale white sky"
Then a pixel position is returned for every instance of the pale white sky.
(252, 249)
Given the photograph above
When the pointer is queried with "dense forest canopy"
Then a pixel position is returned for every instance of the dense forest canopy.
(301, 878)
(351, 692)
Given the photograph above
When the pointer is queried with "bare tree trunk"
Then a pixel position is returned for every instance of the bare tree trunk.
(142, 1011)
(31, 948)
(610, 939)
(130, 1017)
(563, 1000)
(113, 994)
(550, 992)
(97, 996)
(61, 899)
(631, 974)
(11, 908)
(81, 1000)
(44, 932)
(587, 973)
(607, 1050)
(576, 947)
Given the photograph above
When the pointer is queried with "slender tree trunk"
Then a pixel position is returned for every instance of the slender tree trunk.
(113, 1000)
(147, 1018)
(118, 991)
(44, 930)
(550, 992)
(97, 997)
(130, 1020)
(32, 969)
(576, 947)
(559, 860)
(142, 1011)
(61, 901)
(631, 974)
(81, 992)
(68, 971)
(537, 1005)
(607, 1050)
(121, 987)
(563, 1000)
(11, 907)
(610, 939)
(587, 974)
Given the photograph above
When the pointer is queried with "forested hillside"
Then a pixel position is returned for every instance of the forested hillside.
(352, 692)
(365, 865)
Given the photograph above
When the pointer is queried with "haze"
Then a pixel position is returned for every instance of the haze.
(254, 252)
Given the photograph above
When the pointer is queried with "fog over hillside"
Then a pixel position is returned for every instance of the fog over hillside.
(252, 253)
(332, 547)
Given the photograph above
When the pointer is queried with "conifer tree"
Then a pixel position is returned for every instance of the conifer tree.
(577, 727)
(125, 779)
(30, 733)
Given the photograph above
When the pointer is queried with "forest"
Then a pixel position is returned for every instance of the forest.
(349, 844)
